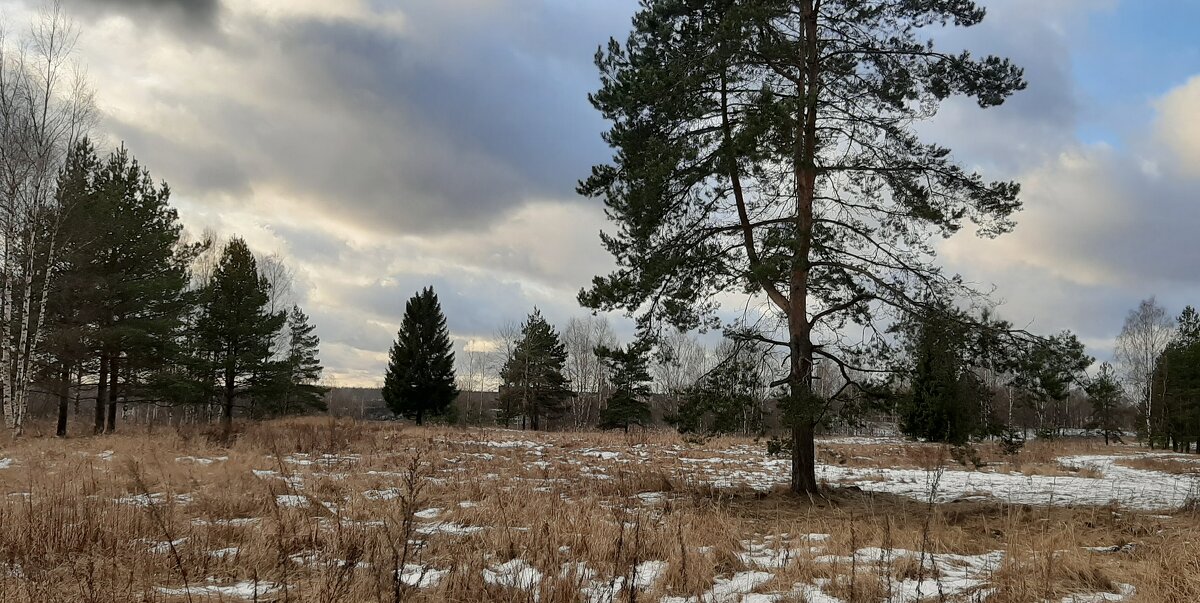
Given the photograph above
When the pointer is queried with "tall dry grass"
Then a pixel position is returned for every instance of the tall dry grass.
(169, 515)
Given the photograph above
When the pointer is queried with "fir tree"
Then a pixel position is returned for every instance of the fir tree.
(1104, 392)
(726, 399)
(236, 327)
(769, 147)
(630, 380)
(533, 383)
(300, 370)
(945, 397)
(420, 374)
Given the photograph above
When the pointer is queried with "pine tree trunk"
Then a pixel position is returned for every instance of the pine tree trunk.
(804, 480)
(227, 411)
(101, 394)
(804, 461)
(113, 373)
(64, 400)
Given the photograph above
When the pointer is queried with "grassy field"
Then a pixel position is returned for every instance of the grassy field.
(324, 510)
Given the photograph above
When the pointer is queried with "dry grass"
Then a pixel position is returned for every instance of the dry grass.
(1178, 465)
(569, 510)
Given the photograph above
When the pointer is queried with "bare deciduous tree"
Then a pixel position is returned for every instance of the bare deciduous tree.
(680, 362)
(45, 106)
(473, 374)
(587, 373)
(1147, 331)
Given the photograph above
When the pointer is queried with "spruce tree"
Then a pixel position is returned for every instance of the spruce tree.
(943, 401)
(237, 329)
(533, 382)
(630, 381)
(302, 367)
(420, 375)
(1104, 392)
(769, 147)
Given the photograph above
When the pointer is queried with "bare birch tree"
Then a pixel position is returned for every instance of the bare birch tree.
(587, 373)
(45, 106)
(680, 362)
(1147, 331)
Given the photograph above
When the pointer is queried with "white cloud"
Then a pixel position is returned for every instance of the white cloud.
(1178, 125)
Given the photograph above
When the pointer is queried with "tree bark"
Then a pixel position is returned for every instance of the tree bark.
(64, 400)
(804, 462)
(101, 394)
(227, 411)
(113, 373)
(803, 412)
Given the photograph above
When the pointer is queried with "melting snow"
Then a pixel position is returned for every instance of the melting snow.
(421, 576)
(428, 513)
(158, 498)
(224, 553)
(291, 500)
(1126, 592)
(241, 590)
(235, 522)
(452, 529)
(513, 574)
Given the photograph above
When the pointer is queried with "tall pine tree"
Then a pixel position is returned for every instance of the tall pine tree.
(533, 384)
(124, 274)
(769, 147)
(420, 375)
(237, 329)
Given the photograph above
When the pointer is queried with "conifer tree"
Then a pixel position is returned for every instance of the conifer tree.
(1104, 392)
(70, 312)
(124, 273)
(1046, 370)
(943, 398)
(237, 329)
(727, 399)
(768, 147)
(629, 377)
(302, 367)
(533, 382)
(1176, 378)
(420, 375)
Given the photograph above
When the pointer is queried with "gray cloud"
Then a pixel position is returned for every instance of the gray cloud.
(187, 14)
(1033, 125)
(397, 131)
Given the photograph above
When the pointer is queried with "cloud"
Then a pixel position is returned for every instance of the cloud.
(378, 120)
(186, 14)
(1103, 227)
(1178, 125)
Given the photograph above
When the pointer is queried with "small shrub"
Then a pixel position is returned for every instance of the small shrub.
(777, 446)
(1011, 442)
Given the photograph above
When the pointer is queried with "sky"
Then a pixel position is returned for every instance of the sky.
(381, 146)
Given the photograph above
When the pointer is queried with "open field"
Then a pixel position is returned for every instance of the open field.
(318, 510)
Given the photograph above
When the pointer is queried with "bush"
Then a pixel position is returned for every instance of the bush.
(1011, 441)
(778, 446)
